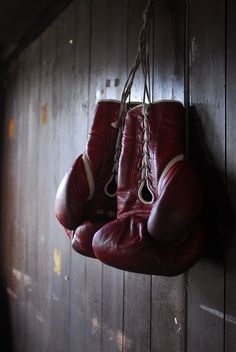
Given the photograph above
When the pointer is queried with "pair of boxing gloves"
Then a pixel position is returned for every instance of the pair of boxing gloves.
(136, 205)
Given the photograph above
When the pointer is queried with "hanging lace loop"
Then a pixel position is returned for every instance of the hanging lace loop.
(142, 58)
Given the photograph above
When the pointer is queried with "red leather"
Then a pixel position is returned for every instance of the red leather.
(181, 199)
(83, 237)
(71, 196)
(171, 239)
(82, 217)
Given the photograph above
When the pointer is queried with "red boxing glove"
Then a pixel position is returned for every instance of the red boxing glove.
(83, 202)
(159, 200)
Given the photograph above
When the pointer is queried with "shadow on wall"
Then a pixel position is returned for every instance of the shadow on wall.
(218, 213)
(5, 324)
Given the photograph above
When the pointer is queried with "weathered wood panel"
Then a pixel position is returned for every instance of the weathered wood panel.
(60, 300)
(8, 193)
(230, 300)
(136, 287)
(61, 119)
(94, 269)
(47, 172)
(19, 257)
(168, 294)
(207, 96)
(31, 116)
(112, 73)
(77, 142)
(5, 322)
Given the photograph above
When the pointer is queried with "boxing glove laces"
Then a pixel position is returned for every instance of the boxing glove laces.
(86, 197)
(158, 229)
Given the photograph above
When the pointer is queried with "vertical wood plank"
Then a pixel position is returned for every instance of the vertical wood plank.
(55, 135)
(230, 302)
(104, 285)
(31, 98)
(46, 185)
(169, 46)
(8, 178)
(168, 294)
(137, 303)
(207, 79)
(19, 261)
(78, 325)
(8, 194)
(114, 45)
(93, 288)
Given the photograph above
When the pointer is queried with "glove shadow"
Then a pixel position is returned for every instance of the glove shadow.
(218, 212)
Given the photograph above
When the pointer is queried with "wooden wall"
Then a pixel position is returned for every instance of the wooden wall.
(63, 302)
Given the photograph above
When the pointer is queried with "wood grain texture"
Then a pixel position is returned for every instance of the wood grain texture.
(169, 50)
(137, 305)
(113, 15)
(19, 261)
(47, 172)
(168, 294)
(104, 286)
(31, 115)
(8, 193)
(230, 301)
(62, 301)
(77, 143)
(94, 269)
(207, 96)
(58, 135)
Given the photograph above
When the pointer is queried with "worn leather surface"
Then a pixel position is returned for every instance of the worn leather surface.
(69, 211)
(126, 244)
(178, 206)
(73, 210)
(171, 239)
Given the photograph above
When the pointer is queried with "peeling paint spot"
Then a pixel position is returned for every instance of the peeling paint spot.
(21, 277)
(11, 129)
(57, 261)
(27, 280)
(176, 322)
(95, 325)
(44, 114)
(119, 340)
(17, 274)
(128, 343)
